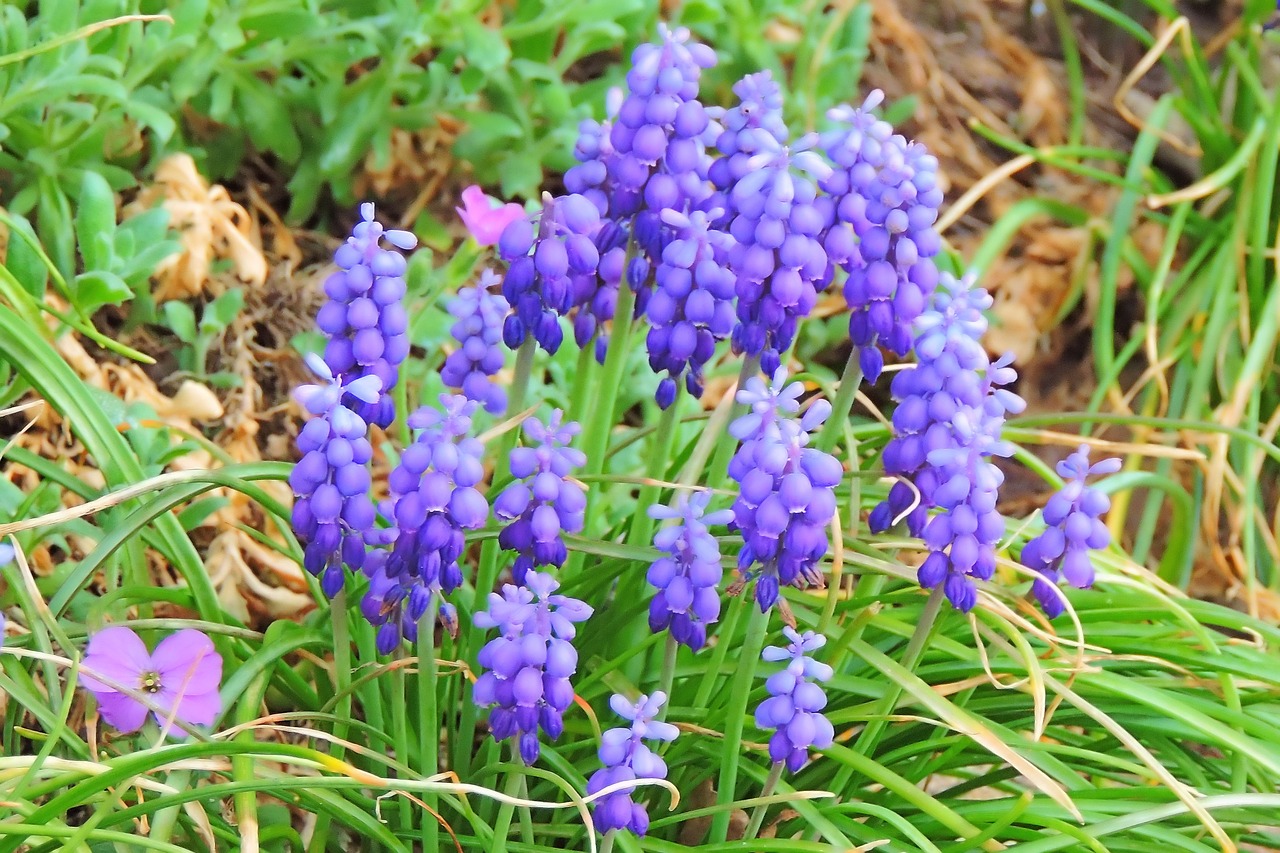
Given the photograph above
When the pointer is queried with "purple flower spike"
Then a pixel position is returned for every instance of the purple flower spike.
(547, 267)
(479, 313)
(692, 307)
(626, 758)
(951, 411)
(688, 576)
(435, 502)
(365, 319)
(769, 192)
(180, 678)
(795, 703)
(543, 503)
(528, 665)
(883, 201)
(333, 512)
(787, 490)
(1074, 528)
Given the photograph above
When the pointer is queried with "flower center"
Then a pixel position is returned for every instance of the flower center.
(150, 682)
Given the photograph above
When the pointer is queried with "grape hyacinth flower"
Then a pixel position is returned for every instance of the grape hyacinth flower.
(795, 703)
(692, 306)
(436, 502)
(688, 576)
(884, 199)
(545, 268)
(478, 313)
(180, 678)
(544, 502)
(529, 663)
(365, 319)
(626, 758)
(947, 378)
(787, 490)
(951, 411)
(770, 195)
(659, 159)
(484, 219)
(1074, 528)
(333, 510)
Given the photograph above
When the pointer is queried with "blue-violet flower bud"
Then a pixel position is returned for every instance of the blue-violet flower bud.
(795, 703)
(544, 502)
(1074, 528)
(479, 313)
(529, 663)
(333, 511)
(688, 576)
(365, 317)
(626, 757)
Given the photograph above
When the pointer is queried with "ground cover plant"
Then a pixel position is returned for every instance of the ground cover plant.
(673, 506)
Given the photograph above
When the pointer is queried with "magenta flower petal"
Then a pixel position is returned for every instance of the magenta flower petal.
(115, 653)
(121, 712)
(197, 708)
(485, 221)
(187, 663)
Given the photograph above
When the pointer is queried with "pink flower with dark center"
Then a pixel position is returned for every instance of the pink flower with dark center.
(483, 220)
(180, 678)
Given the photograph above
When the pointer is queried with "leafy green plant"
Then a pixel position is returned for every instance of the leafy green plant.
(215, 317)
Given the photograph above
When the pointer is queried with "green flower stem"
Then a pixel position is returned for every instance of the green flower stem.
(606, 846)
(583, 374)
(515, 783)
(752, 644)
(757, 817)
(242, 770)
(870, 736)
(720, 651)
(669, 651)
(724, 450)
(595, 441)
(841, 405)
(631, 584)
(429, 724)
(487, 574)
(401, 736)
(338, 614)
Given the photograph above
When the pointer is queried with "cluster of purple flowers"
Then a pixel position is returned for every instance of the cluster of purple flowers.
(688, 576)
(951, 411)
(547, 268)
(659, 160)
(435, 501)
(1074, 527)
(787, 489)
(544, 502)
(365, 317)
(692, 306)
(884, 199)
(626, 758)
(333, 512)
(795, 703)
(479, 313)
(769, 192)
(529, 663)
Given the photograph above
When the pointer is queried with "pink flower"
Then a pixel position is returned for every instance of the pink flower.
(483, 220)
(180, 679)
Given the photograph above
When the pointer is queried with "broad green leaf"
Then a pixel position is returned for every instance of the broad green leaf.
(96, 222)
